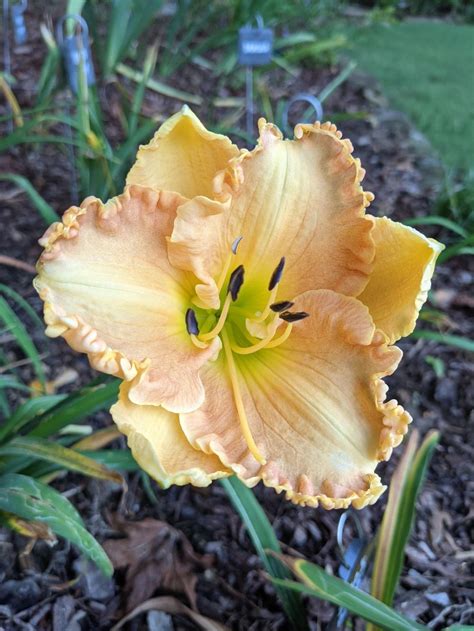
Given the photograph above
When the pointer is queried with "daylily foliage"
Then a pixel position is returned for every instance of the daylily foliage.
(249, 304)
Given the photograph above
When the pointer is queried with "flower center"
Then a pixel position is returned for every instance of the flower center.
(234, 323)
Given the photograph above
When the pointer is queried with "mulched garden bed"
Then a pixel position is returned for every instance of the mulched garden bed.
(51, 588)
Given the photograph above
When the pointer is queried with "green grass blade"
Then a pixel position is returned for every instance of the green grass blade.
(399, 515)
(76, 407)
(118, 459)
(126, 153)
(9, 381)
(318, 583)
(33, 501)
(64, 457)
(27, 411)
(21, 302)
(436, 220)
(457, 341)
(129, 18)
(16, 328)
(148, 69)
(263, 538)
(44, 209)
(158, 86)
(50, 69)
(337, 81)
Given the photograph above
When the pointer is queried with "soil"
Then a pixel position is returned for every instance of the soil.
(44, 587)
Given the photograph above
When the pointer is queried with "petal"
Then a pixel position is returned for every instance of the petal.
(183, 156)
(301, 199)
(315, 407)
(159, 446)
(110, 291)
(399, 284)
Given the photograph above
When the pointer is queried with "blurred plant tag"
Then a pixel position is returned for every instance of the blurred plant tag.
(255, 45)
(18, 20)
(76, 52)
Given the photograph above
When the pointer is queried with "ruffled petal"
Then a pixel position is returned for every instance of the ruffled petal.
(110, 291)
(315, 407)
(183, 157)
(301, 199)
(399, 283)
(159, 446)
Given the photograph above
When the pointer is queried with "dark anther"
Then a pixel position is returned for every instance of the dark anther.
(276, 276)
(235, 244)
(293, 317)
(191, 323)
(281, 306)
(235, 282)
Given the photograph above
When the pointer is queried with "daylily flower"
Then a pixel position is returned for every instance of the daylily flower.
(249, 304)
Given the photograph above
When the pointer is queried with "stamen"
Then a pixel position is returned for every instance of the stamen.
(236, 281)
(225, 269)
(268, 342)
(266, 312)
(197, 342)
(277, 273)
(235, 244)
(239, 404)
(192, 326)
(273, 289)
(288, 316)
(248, 350)
(284, 305)
(220, 323)
(283, 337)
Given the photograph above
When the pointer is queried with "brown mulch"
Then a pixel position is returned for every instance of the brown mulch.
(53, 588)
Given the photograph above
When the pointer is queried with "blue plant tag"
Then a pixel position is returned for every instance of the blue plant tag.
(18, 21)
(255, 46)
(76, 52)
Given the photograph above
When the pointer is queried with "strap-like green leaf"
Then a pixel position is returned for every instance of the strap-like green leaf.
(33, 501)
(41, 449)
(264, 539)
(27, 411)
(399, 514)
(96, 396)
(318, 583)
(451, 340)
(18, 330)
(48, 213)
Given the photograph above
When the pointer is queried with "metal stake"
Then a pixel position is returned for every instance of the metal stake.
(249, 99)
(6, 52)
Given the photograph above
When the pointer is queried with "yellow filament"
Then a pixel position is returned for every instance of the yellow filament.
(239, 404)
(267, 342)
(220, 323)
(222, 277)
(283, 337)
(266, 312)
(197, 342)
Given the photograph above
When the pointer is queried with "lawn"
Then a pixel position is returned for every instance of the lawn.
(426, 70)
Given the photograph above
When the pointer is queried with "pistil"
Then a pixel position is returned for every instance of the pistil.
(225, 269)
(239, 404)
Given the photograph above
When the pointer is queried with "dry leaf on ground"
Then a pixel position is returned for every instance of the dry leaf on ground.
(173, 606)
(155, 556)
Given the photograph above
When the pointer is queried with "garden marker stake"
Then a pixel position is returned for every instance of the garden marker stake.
(18, 21)
(314, 111)
(75, 49)
(255, 48)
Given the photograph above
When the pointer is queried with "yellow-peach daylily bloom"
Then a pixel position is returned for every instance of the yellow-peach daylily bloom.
(249, 305)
